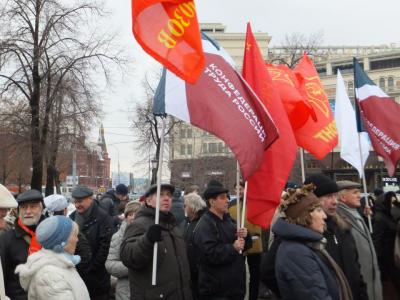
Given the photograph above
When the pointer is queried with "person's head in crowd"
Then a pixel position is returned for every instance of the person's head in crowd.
(83, 198)
(385, 202)
(193, 205)
(377, 192)
(216, 197)
(58, 233)
(56, 205)
(7, 202)
(326, 190)
(130, 211)
(192, 189)
(121, 192)
(30, 207)
(177, 195)
(302, 207)
(349, 193)
(166, 192)
(241, 188)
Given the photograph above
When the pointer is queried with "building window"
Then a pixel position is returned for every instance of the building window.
(189, 133)
(220, 147)
(183, 149)
(212, 147)
(390, 83)
(189, 149)
(204, 148)
(382, 83)
(182, 133)
(350, 86)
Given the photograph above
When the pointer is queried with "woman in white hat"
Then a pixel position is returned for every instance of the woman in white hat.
(7, 202)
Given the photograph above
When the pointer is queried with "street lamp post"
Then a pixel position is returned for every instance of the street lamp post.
(154, 165)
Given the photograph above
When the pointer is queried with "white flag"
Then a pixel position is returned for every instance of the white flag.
(346, 125)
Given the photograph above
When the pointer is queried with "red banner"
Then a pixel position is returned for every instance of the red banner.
(169, 31)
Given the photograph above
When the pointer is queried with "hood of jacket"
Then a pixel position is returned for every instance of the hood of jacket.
(293, 232)
(37, 261)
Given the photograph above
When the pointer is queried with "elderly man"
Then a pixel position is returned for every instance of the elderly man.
(95, 224)
(222, 271)
(173, 274)
(340, 242)
(349, 201)
(16, 244)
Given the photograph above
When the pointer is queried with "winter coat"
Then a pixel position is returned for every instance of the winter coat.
(342, 248)
(2, 288)
(97, 229)
(301, 272)
(173, 274)
(116, 268)
(177, 208)
(110, 203)
(366, 252)
(222, 271)
(84, 251)
(13, 252)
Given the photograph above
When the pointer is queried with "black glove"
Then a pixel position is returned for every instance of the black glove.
(154, 233)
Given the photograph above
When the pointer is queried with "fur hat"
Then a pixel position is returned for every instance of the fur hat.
(131, 207)
(323, 184)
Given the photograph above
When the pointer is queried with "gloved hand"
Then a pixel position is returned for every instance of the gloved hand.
(154, 233)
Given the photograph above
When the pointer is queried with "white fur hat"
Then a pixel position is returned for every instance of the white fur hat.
(6, 198)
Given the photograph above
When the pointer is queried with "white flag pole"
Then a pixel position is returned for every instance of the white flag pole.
(157, 217)
(237, 196)
(303, 172)
(364, 183)
(244, 205)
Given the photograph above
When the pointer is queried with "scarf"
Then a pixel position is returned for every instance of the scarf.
(344, 287)
(34, 245)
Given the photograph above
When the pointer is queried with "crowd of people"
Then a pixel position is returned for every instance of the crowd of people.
(320, 245)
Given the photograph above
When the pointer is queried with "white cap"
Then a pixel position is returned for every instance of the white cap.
(55, 202)
(6, 198)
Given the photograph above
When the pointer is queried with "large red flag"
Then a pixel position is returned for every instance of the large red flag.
(317, 137)
(266, 185)
(168, 30)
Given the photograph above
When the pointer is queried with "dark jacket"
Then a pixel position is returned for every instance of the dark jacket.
(222, 271)
(97, 229)
(173, 274)
(267, 273)
(14, 251)
(177, 208)
(84, 251)
(110, 203)
(300, 271)
(342, 248)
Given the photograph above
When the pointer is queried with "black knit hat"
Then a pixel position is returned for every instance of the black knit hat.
(323, 184)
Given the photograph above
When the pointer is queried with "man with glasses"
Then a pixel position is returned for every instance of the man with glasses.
(18, 243)
(340, 242)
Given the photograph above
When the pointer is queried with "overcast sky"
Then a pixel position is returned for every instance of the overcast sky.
(342, 22)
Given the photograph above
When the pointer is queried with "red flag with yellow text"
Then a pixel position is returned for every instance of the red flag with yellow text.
(168, 30)
(285, 82)
(317, 137)
(266, 185)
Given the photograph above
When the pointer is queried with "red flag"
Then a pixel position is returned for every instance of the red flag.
(297, 108)
(266, 185)
(168, 30)
(317, 137)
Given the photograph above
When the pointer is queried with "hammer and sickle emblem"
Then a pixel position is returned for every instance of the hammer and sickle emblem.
(316, 95)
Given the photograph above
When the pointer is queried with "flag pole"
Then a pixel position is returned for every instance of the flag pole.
(244, 205)
(364, 184)
(237, 196)
(157, 217)
(303, 173)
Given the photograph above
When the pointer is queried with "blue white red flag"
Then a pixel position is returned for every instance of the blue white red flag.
(222, 103)
(380, 116)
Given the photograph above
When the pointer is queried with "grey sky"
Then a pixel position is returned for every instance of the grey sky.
(351, 22)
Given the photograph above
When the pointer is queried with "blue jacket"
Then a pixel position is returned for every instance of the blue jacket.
(301, 272)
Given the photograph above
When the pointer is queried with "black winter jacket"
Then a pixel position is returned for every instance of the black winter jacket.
(342, 248)
(98, 231)
(173, 274)
(222, 271)
(111, 204)
(300, 271)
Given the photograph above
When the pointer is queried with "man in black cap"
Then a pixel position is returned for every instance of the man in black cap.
(173, 272)
(222, 271)
(95, 224)
(340, 243)
(18, 243)
(111, 202)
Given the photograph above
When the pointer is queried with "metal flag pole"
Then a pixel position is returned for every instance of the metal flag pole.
(244, 205)
(364, 184)
(303, 173)
(237, 196)
(157, 217)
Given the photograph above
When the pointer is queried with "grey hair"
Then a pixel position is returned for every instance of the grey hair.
(195, 202)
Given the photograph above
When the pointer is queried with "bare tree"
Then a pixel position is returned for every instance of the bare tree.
(292, 48)
(41, 46)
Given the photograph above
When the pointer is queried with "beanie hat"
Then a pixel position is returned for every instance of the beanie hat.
(323, 184)
(6, 198)
(131, 207)
(121, 189)
(53, 233)
(55, 202)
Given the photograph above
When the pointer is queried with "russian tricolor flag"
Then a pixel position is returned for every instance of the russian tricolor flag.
(380, 115)
(222, 103)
